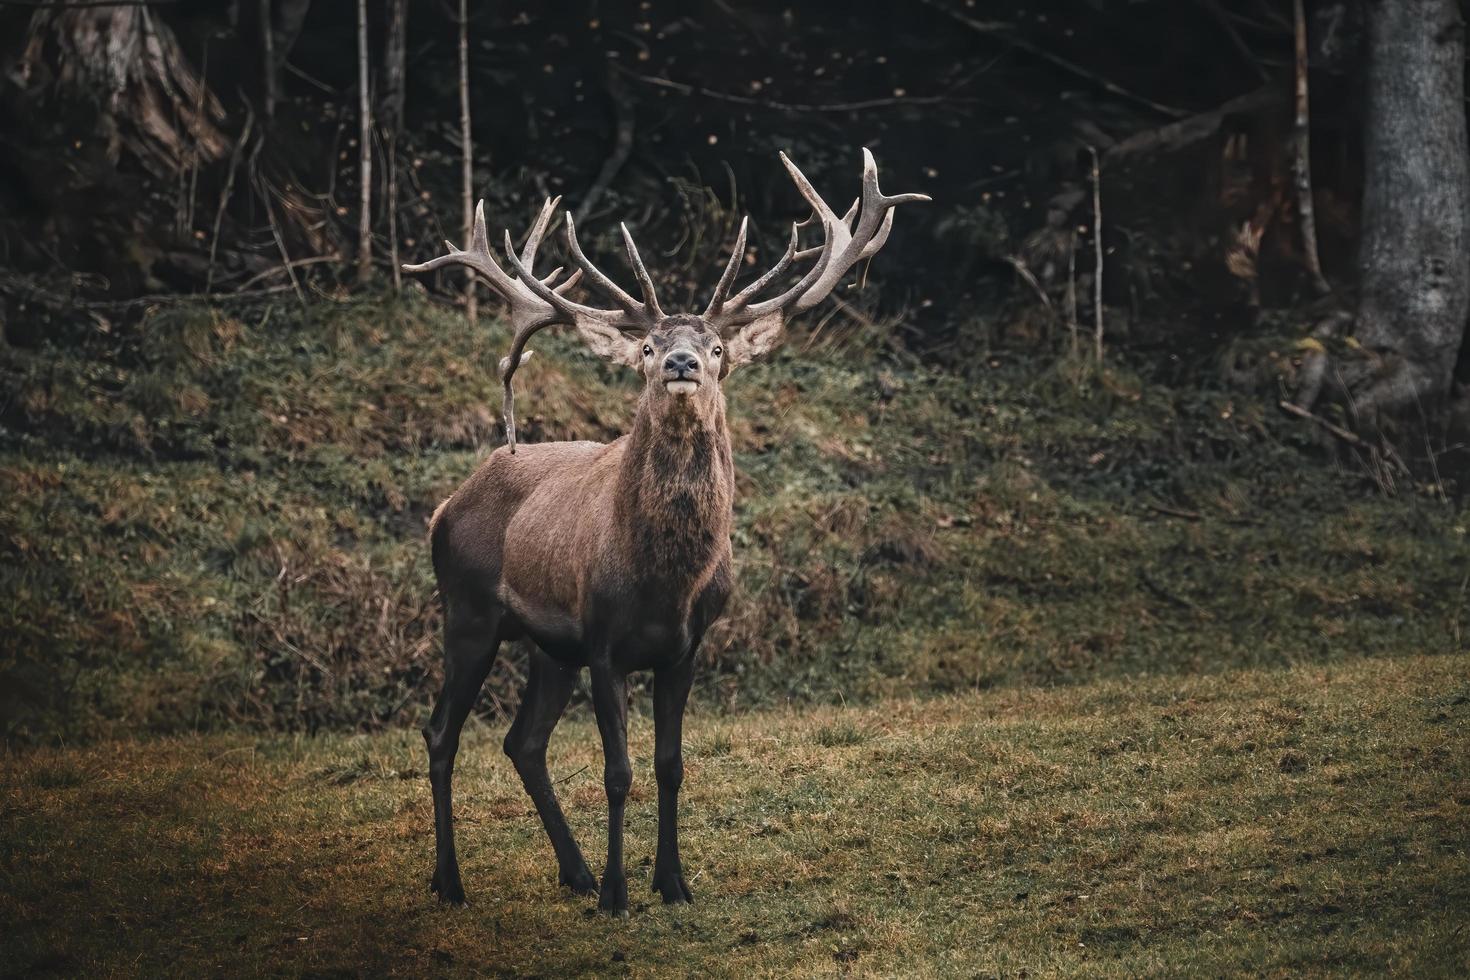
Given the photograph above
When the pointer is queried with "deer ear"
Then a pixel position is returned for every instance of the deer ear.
(608, 342)
(755, 339)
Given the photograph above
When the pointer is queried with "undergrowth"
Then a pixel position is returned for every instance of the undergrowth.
(220, 519)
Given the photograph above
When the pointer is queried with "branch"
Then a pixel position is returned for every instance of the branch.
(1303, 149)
(1346, 435)
(27, 290)
(1004, 31)
(1185, 132)
(622, 144)
(787, 106)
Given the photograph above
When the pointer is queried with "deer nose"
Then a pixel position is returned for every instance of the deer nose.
(682, 362)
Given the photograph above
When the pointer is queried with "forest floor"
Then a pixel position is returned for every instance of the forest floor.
(1310, 819)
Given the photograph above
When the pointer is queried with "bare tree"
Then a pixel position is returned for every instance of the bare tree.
(1303, 149)
(467, 152)
(392, 117)
(1415, 246)
(365, 136)
(268, 56)
(280, 25)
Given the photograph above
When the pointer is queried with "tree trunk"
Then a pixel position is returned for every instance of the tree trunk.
(1414, 255)
(127, 63)
(467, 159)
(365, 134)
(392, 119)
(268, 57)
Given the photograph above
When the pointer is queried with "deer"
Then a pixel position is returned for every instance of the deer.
(614, 557)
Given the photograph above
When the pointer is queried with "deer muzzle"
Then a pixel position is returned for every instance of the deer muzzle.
(681, 372)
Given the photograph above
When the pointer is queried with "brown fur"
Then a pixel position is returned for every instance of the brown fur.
(546, 530)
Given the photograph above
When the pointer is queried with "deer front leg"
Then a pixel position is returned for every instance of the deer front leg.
(610, 700)
(670, 694)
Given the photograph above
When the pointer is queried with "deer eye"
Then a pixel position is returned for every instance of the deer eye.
(717, 351)
(647, 351)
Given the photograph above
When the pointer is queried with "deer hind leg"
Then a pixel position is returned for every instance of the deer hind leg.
(471, 638)
(547, 693)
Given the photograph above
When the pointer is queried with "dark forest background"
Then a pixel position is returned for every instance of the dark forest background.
(227, 414)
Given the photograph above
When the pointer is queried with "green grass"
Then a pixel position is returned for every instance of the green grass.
(1285, 821)
(210, 521)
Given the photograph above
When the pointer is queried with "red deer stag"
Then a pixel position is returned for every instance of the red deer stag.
(613, 557)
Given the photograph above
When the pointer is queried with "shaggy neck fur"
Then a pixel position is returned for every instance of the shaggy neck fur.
(676, 488)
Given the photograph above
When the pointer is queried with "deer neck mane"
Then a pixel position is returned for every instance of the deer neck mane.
(676, 487)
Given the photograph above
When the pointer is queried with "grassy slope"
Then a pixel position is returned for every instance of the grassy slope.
(1310, 819)
(219, 519)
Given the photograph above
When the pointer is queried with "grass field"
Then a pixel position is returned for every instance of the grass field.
(1313, 819)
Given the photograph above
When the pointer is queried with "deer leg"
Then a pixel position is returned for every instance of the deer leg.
(470, 642)
(547, 693)
(610, 699)
(670, 694)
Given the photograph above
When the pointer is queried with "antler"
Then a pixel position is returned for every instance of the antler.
(533, 303)
(843, 246)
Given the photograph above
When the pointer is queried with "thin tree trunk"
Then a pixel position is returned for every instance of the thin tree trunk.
(1415, 250)
(467, 168)
(1304, 156)
(365, 137)
(1097, 249)
(393, 96)
(268, 56)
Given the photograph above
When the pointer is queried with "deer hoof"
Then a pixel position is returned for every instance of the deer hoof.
(613, 898)
(673, 888)
(449, 889)
(579, 881)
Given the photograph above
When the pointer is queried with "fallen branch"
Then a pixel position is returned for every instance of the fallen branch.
(28, 291)
(1346, 435)
(279, 269)
(1188, 515)
(1186, 132)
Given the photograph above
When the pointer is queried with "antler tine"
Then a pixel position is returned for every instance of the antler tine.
(850, 243)
(630, 305)
(742, 299)
(533, 303)
(477, 257)
(732, 269)
(645, 282)
(856, 235)
(538, 230)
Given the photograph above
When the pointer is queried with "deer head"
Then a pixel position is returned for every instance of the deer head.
(681, 355)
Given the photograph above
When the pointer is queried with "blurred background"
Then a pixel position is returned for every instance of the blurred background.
(1124, 399)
